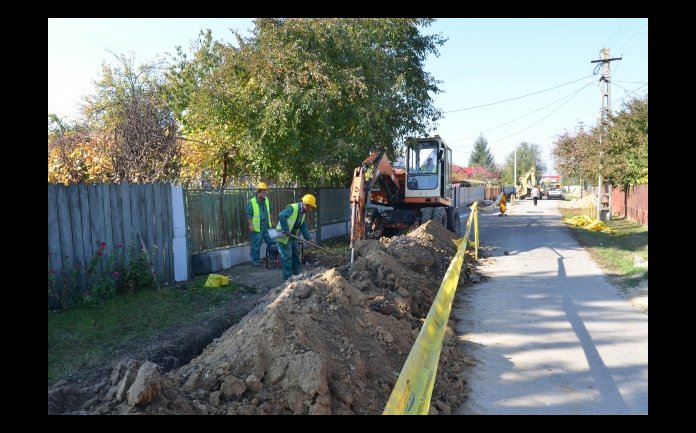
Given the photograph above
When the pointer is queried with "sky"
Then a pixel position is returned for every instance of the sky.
(541, 67)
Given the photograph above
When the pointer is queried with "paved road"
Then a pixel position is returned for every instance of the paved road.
(550, 335)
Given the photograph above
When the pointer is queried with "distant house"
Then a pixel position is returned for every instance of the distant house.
(550, 179)
(472, 175)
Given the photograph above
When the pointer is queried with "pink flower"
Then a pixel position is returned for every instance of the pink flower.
(102, 244)
(119, 246)
(99, 253)
(115, 275)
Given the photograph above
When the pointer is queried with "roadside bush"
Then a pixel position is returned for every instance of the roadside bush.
(100, 279)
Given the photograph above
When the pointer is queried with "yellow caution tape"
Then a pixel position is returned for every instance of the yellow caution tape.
(414, 387)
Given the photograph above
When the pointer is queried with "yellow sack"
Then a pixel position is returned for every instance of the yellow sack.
(216, 280)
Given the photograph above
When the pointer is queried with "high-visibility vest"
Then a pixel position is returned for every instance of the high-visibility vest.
(291, 222)
(256, 217)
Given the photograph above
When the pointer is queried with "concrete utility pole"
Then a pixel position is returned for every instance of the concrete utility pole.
(604, 113)
(514, 175)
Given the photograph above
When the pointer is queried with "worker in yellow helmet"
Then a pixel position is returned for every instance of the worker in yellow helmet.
(258, 213)
(290, 222)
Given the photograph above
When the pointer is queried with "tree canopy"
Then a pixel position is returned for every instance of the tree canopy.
(305, 100)
(616, 149)
(300, 100)
(528, 156)
(481, 155)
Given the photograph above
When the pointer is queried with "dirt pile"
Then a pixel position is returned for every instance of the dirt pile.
(332, 341)
(588, 200)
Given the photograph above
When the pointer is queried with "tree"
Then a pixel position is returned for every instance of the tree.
(616, 149)
(129, 105)
(481, 156)
(303, 100)
(74, 154)
(528, 156)
(577, 155)
(627, 148)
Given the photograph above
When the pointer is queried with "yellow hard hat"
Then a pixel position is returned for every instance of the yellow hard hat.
(309, 200)
(262, 185)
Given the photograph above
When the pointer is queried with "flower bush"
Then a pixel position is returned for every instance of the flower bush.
(101, 278)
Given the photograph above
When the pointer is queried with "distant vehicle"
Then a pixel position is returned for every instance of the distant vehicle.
(556, 192)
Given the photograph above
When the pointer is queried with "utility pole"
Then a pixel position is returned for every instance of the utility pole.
(514, 175)
(582, 131)
(605, 111)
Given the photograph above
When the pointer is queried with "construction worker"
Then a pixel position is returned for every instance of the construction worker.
(429, 166)
(503, 203)
(535, 194)
(290, 222)
(258, 213)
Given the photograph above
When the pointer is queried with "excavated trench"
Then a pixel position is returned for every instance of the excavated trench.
(331, 341)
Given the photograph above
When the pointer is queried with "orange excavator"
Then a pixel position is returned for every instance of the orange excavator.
(386, 199)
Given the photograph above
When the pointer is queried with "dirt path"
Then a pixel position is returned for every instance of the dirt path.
(548, 332)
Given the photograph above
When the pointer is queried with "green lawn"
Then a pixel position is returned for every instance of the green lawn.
(615, 252)
(84, 337)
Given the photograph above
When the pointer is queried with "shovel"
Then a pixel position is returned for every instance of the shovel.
(273, 234)
(310, 243)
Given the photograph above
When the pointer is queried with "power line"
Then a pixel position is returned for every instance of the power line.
(517, 97)
(629, 95)
(540, 120)
(525, 115)
(621, 50)
(618, 33)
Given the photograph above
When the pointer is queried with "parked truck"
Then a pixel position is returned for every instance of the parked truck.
(386, 199)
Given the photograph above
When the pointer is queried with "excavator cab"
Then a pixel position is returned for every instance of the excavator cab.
(428, 163)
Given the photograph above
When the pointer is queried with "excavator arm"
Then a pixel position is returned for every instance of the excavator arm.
(375, 167)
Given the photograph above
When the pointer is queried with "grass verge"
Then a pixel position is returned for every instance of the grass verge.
(84, 336)
(615, 253)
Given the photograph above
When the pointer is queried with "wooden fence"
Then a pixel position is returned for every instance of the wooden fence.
(81, 217)
(216, 219)
(632, 204)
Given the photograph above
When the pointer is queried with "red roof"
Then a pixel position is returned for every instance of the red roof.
(464, 173)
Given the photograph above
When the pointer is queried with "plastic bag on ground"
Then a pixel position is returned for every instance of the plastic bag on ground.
(216, 280)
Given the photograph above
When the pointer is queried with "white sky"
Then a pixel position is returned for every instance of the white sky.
(483, 62)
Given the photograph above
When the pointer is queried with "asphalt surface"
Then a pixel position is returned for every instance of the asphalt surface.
(549, 334)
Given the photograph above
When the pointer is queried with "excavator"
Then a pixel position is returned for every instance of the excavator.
(386, 199)
(526, 182)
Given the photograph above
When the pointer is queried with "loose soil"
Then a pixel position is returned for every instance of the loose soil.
(332, 340)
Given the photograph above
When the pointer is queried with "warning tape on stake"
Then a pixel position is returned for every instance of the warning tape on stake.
(414, 387)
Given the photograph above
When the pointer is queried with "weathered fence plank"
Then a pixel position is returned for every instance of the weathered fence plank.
(158, 235)
(55, 254)
(149, 224)
(116, 216)
(97, 220)
(87, 244)
(127, 223)
(135, 215)
(106, 206)
(73, 194)
(65, 228)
